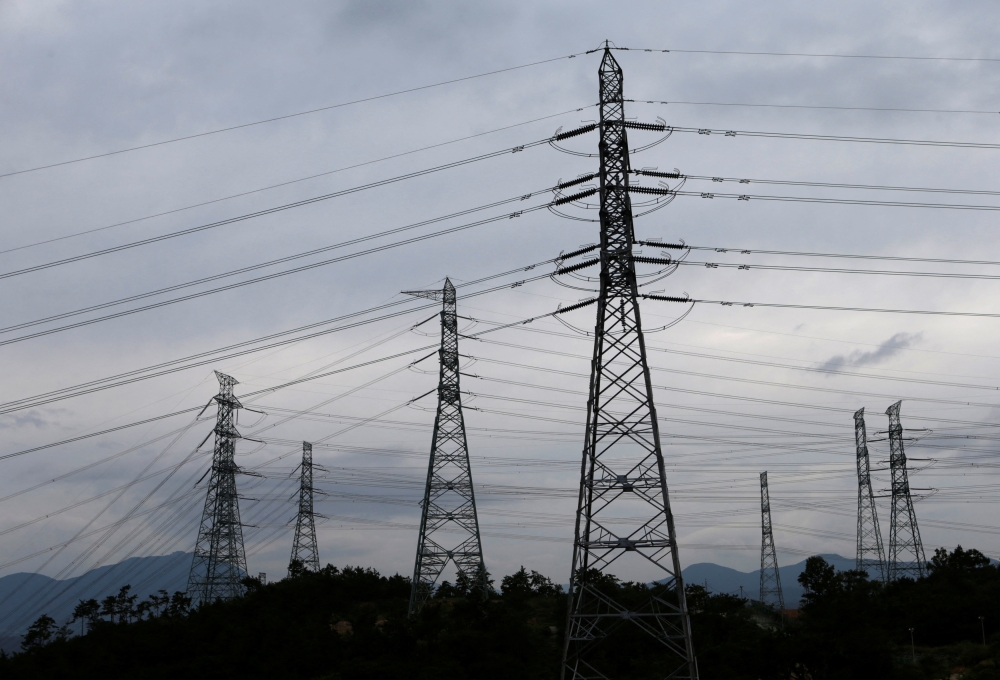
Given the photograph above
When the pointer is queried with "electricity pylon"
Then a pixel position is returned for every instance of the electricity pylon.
(220, 564)
(622, 475)
(870, 553)
(904, 535)
(449, 504)
(305, 548)
(770, 578)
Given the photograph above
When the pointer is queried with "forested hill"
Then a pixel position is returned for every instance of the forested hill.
(351, 624)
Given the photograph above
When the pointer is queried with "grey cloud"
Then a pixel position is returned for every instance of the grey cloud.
(17, 420)
(886, 350)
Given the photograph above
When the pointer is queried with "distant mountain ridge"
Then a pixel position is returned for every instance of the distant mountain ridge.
(719, 579)
(146, 575)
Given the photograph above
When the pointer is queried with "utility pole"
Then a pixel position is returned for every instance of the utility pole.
(770, 579)
(449, 504)
(982, 627)
(870, 553)
(904, 535)
(305, 548)
(220, 564)
(622, 473)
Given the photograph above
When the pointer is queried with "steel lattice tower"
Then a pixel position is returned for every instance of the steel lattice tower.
(449, 504)
(305, 548)
(770, 578)
(870, 553)
(220, 563)
(904, 535)
(622, 474)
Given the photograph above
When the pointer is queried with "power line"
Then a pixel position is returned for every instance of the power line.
(731, 378)
(275, 209)
(258, 392)
(829, 201)
(144, 374)
(289, 182)
(216, 354)
(889, 258)
(710, 356)
(290, 115)
(197, 408)
(833, 185)
(833, 138)
(268, 263)
(823, 307)
(810, 54)
(833, 270)
(814, 107)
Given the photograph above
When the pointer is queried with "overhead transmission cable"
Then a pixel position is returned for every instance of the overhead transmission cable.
(270, 263)
(831, 201)
(287, 116)
(807, 54)
(293, 181)
(242, 348)
(262, 391)
(819, 107)
(731, 378)
(888, 258)
(272, 210)
(830, 185)
(828, 308)
(834, 270)
(833, 138)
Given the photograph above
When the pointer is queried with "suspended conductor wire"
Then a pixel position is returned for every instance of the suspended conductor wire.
(294, 181)
(314, 265)
(807, 54)
(808, 369)
(287, 116)
(813, 107)
(270, 389)
(831, 185)
(725, 303)
(128, 516)
(731, 378)
(835, 270)
(261, 265)
(838, 201)
(269, 211)
(889, 258)
(211, 356)
(836, 138)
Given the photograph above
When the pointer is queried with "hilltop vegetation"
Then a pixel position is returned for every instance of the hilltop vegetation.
(351, 624)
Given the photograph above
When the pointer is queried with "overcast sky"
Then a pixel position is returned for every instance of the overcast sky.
(86, 78)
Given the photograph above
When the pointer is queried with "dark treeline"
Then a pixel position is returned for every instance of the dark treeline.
(346, 624)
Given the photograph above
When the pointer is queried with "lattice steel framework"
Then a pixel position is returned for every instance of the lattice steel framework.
(770, 578)
(449, 524)
(870, 552)
(305, 548)
(220, 563)
(904, 535)
(622, 475)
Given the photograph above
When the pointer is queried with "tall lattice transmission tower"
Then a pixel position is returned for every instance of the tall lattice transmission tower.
(220, 564)
(906, 551)
(305, 548)
(770, 578)
(449, 524)
(622, 476)
(870, 553)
